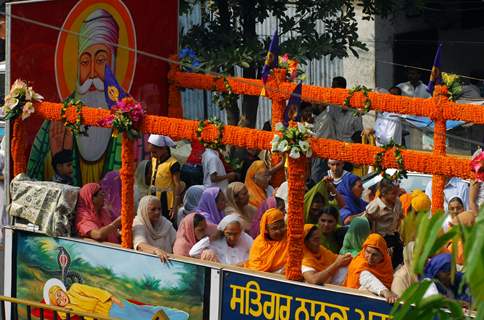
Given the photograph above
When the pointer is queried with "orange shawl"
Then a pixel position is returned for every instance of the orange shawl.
(256, 194)
(383, 271)
(319, 261)
(268, 255)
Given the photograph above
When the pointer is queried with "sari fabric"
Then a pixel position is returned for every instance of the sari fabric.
(383, 270)
(256, 194)
(358, 232)
(320, 188)
(318, 261)
(268, 255)
(268, 203)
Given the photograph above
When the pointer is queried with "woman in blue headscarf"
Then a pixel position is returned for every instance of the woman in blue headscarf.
(351, 189)
(438, 271)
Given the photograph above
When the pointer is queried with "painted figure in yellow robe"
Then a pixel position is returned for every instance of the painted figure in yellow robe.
(88, 299)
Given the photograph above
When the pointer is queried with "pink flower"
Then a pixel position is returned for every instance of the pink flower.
(106, 122)
(477, 165)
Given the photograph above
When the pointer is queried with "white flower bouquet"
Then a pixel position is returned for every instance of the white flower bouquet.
(293, 140)
(20, 101)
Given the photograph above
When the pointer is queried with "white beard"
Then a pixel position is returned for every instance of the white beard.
(93, 147)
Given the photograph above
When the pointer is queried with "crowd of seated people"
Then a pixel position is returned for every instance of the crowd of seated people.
(351, 239)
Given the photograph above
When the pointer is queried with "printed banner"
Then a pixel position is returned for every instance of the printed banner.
(251, 297)
(108, 281)
(61, 48)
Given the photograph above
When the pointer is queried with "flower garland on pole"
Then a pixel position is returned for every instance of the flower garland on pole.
(379, 169)
(440, 135)
(127, 189)
(126, 118)
(293, 141)
(278, 106)
(18, 106)
(74, 126)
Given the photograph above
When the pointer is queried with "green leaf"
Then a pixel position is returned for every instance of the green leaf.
(474, 257)
(411, 296)
(426, 237)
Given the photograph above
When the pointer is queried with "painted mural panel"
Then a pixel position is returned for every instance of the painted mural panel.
(112, 282)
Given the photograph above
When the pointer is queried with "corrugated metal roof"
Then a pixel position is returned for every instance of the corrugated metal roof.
(319, 72)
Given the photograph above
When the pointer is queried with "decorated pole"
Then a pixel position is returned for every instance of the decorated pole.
(278, 106)
(295, 223)
(18, 147)
(438, 181)
(127, 185)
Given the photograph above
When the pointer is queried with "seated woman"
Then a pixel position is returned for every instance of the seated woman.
(257, 183)
(320, 265)
(93, 220)
(152, 233)
(190, 202)
(455, 207)
(212, 205)
(356, 235)
(318, 197)
(269, 203)
(238, 203)
(372, 269)
(466, 219)
(229, 245)
(404, 276)
(192, 229)
(111, 185)
(269, 250)
(438, 271)
(314, 201)
(351, 189)
(332, 236)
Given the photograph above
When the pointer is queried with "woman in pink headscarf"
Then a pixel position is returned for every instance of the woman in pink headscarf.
(192, 229)
(93, 220)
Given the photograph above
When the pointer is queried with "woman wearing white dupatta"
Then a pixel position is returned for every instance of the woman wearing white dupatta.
(230, 245)
(152, 233)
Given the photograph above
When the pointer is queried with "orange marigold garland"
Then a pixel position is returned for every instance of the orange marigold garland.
(278, 106)
(18, 147)
(295, 225)
(127, 198)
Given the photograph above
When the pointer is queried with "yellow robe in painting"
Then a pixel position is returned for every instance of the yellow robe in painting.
(84, 298)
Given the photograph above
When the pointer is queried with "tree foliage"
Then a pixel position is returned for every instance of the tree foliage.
(227, 36)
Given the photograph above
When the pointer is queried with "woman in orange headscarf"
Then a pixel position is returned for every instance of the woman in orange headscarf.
(320, 265)
(257, 183)
(269, 249)
(372, 269)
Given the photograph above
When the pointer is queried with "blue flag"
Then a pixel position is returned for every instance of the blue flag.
(293, 108)
(113, 92)
(272, 60)
(435, 76)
